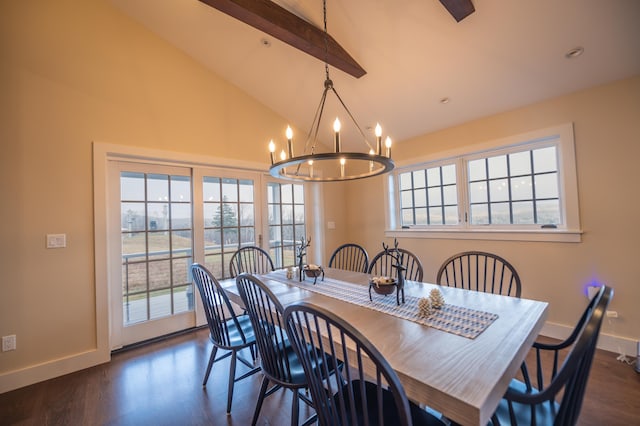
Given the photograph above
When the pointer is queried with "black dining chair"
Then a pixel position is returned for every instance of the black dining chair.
(227, 331)
(279, 362)
(480, 271)
(367, 392)
(559, 402)
(382, 264)
(350, 257)
(251, 259)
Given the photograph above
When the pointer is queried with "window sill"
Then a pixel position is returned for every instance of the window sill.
(556, 235)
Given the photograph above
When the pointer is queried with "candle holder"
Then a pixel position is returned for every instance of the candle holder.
(398, 257)
(313, 271)
(301, 252)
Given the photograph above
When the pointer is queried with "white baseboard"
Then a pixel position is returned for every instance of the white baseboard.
(48, 370)
(607, 342)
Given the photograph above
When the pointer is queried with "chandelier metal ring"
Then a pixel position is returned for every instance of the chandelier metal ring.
(371, 165)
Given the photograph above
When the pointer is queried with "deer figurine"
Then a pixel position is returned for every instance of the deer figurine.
(301, 252)
(398, 257)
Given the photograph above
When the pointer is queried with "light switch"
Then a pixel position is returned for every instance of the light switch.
(56, 240)
(331, 225)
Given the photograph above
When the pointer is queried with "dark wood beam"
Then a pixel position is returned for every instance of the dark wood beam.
(459, 9)
(289, 28)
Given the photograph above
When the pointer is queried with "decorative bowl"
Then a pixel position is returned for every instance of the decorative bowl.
(383, 285)
(312, 271)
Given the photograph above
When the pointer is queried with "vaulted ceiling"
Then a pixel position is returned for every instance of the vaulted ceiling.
(505, 55)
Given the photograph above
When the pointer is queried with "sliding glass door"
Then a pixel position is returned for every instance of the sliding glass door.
(151, 214)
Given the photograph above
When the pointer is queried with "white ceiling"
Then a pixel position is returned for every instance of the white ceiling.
(505, 55)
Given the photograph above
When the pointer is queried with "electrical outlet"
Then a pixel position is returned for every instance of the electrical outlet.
(612, 314)
(9, 343)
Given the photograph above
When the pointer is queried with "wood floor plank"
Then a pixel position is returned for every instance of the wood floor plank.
(161, 384)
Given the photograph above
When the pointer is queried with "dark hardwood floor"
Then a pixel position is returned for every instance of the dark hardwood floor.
(160, 384)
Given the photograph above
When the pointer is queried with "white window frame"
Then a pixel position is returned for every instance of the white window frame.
(568, 231)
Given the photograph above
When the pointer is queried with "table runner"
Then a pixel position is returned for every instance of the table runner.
(469, 323)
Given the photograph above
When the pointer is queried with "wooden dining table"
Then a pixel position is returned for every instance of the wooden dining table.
(463, 378)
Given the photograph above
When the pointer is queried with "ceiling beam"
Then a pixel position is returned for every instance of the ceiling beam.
(459, 9)
(276, 21)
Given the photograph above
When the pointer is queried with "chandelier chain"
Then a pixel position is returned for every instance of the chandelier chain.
(326, 40)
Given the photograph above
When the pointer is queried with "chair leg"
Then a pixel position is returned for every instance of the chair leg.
(212, 358)
(295, 408)
(232, 380)
(254, 356)
(263, 391)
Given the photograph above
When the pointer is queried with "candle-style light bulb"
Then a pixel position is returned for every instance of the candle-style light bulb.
(272, 150)
(289, 134)
(336, 129)
(310, 162)
(342, 163)
(371, 152)
(387, 143)
(283, 156)
(379, 139)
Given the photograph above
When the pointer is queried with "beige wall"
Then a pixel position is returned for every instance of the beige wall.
(607, 142)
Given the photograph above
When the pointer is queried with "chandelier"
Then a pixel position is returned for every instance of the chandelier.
(330, 166)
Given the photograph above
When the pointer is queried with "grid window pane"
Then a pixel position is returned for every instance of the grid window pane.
(497, 166)
(478, 192)
(517, 189)
(407, 217)
(451, 215)
(287, 214)
(433, 176)
(229, 220)
(547, 185)
(548, 212)
(421, 217)
(211, 189)
(480, 214)
(435, 216)
(286, 192)
(435, 197)
(405, 181)
(521, 188)
(500, 213)
(498, 190)
(286, 222)
(229, 190)
(132, 186)
(450, 195)
(520, 163)
(274, 214)
(477, 170)
(419, 179)
(449, 174)
(420, 198)
(245, 189)
(545, 160)
(407, 198)
(523, 212)
(425, 192)
(246, 215)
